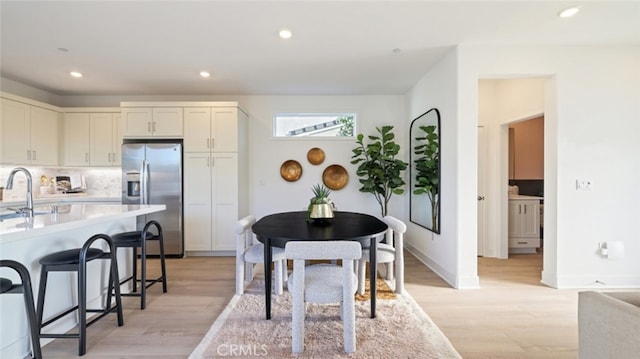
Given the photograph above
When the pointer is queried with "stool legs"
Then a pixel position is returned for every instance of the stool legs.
(27, 294)
(81, 267)
(135, 240)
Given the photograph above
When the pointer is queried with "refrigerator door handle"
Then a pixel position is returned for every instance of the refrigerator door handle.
(144, 183)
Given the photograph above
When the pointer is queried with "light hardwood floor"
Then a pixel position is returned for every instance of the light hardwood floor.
(511, 316)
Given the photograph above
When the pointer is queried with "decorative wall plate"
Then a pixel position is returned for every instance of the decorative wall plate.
(335, 177)
(315, 156)
(291, 170)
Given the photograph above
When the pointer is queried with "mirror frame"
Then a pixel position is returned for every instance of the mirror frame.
(423, 199)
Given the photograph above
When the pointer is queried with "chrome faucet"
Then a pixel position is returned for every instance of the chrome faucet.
(29, 207)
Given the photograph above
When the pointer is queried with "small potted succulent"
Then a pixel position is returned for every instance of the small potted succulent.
(320, 206)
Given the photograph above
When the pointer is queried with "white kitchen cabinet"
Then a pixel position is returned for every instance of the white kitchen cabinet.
(92, 139)
(163, 122)
(212, 129)
(524, 225)
(210, 201)
(215, 175)
(76, 139)
(29, 134)
(105, 139)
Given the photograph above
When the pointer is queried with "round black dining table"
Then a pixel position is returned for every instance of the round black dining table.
(276, 230)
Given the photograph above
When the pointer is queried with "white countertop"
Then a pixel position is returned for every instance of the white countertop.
(522, 196)
(69, 216)
(19, 201)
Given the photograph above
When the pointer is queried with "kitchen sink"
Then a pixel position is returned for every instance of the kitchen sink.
(12, 215)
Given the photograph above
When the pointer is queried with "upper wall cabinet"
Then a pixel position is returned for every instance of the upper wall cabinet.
(28, 134)
(162, 122)
(92, 139)
(211, 129)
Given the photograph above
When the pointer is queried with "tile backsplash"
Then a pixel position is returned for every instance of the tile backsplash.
(101, 182)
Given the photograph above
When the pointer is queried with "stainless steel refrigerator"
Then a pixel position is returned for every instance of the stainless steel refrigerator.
(152, 174)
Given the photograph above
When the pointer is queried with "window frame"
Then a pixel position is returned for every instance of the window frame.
(337, 114)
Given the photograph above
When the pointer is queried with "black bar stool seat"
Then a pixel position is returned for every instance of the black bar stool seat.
(8, 287)
(70, 256)
(5, 285)
(75, 260)
(135, 240)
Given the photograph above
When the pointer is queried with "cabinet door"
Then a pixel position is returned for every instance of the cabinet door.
(225, 129)
(514, 217)
(197, 129)
(225, 199)
(102, 134)
(14, 132)
(198, 219)
(137, 122)
(530, 219)
(44, 136)
(116, 159)
(76, 139)
(167, 122)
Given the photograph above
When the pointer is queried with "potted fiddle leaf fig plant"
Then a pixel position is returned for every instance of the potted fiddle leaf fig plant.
(320, 206)
(379, 169)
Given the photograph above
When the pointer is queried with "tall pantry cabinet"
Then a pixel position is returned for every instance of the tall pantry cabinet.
(215, 175)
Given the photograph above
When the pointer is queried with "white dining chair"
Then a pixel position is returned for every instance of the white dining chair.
(250, 252)
(390, 252)
(323, 284)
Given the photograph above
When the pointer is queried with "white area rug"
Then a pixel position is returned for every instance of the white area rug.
(400, 330)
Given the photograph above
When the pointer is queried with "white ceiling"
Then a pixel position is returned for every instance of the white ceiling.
(338, 47)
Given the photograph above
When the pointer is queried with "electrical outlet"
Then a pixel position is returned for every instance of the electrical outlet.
(583, 185)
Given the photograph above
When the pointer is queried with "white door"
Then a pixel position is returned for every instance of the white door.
(481, 191)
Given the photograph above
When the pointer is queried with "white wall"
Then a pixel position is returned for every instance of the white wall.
(270, 193)
(442, 252)
(592, 106)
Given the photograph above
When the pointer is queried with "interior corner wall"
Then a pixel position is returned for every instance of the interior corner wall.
(442, 252)
(592, 122)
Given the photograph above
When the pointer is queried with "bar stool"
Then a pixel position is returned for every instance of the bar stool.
(75, 260)
(6, 286)
(135, 240)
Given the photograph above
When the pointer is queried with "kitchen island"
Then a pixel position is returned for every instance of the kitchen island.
(56, 228)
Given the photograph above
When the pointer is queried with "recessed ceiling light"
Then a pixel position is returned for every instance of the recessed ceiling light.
(63, 49)
(75, 74)
(569, 12)
(396, 50)
(285, 34)
(204, 74)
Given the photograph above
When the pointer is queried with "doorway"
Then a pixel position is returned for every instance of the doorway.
(502, 102)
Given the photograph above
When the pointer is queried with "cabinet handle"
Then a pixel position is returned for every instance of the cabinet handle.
(28, 155)
(208, 143)
(522, 242)
(153, 126)
(213, 144)
(86, 157)
(109, 157)
(519, 209)
(213, 163)
(148, 126)
(34, 154)
(525, 209)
